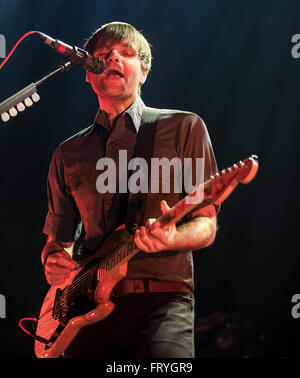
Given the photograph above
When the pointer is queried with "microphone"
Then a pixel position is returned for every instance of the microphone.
(76, 55)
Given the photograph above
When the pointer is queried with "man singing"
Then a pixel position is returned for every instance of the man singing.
(154, 303)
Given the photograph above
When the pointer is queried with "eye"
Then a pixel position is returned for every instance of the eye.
(101, 52)
(128, 52)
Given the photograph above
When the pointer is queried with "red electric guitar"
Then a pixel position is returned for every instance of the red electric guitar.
(61, 317)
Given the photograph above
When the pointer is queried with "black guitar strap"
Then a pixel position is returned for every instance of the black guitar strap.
(137, 202)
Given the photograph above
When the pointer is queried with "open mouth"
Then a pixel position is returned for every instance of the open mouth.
(113, 73)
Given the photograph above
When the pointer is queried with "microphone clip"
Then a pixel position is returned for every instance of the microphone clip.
(91, 63)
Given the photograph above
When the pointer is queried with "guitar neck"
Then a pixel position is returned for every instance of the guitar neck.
(198, 199)
(213, 191)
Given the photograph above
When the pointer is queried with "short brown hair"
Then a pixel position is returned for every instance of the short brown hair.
(118, 32)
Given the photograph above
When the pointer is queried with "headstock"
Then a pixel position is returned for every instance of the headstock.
(220, 185)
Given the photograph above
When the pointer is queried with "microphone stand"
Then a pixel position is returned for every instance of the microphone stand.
(11, 106)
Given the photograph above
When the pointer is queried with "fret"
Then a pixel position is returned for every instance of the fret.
(124, 250)
(100, 274)
(123, 253)
(113, 263)
(119, 256)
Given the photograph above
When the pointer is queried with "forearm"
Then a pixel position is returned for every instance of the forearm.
(196, 234)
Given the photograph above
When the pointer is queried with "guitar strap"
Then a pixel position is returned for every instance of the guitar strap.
(137, 202)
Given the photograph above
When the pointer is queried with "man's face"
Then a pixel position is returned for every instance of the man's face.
(123, 73)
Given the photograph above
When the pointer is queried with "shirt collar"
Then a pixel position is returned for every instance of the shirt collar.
(134, 111)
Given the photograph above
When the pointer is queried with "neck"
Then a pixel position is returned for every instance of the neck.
(114, 107)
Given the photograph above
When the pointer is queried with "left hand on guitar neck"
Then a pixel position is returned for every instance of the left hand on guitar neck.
(152, 238)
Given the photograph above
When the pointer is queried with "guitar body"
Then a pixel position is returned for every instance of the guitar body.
(60, 335)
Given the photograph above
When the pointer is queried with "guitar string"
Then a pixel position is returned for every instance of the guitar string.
(68, 298)
(80, 282)
(70, 295)
(83, 279)
(70, 291)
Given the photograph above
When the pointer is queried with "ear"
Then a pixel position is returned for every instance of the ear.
(87, 77)
(143, 76)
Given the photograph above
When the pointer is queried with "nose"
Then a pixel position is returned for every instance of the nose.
(113, 56)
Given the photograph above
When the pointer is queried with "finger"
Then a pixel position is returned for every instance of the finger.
(56, 279)
(150, 221)
(153, 240)
(165, 235)
(53, 269)
(61, 260)
(154, 226)
(62, 254)
(159, 232)
(144, 236)
(164, 207)
(57, 283)
(139, 243)
(144, 242)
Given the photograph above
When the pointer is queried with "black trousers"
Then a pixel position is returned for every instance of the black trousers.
(155, 325)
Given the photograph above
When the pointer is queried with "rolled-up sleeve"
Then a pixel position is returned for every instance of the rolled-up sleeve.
(195, 142)
(63, 217)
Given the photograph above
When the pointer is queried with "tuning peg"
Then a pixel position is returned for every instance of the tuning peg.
(5, 117)
(28, 101)
(35, 97)
(20, 106)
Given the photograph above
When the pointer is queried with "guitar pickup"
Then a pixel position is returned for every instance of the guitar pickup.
(55, 312)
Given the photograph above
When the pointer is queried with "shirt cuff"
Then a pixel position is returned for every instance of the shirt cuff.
(60, 228)
(208, 211)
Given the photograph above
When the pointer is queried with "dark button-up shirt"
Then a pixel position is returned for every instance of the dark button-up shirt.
(76, 175)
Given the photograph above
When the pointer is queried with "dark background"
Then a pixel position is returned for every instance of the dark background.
(230, 62)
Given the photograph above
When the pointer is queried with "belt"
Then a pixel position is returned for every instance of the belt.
(125, 287)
